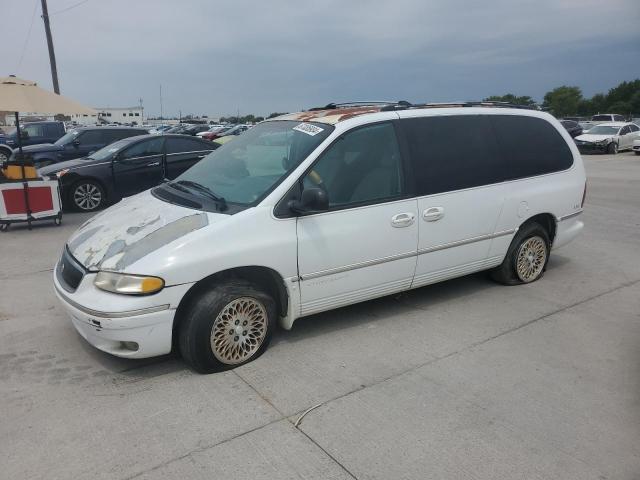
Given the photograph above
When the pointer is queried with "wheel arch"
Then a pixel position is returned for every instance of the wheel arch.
(6, 149)
(267, 278)
(547, 220)
(79, 178)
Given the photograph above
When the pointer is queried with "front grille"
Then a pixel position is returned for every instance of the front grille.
(69, 272)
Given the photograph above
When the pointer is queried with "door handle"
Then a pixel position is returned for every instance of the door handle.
(402, 220)
(154, 164)
(432, 214)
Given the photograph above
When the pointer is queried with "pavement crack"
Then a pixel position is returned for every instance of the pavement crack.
(201, 449)
(468, 347)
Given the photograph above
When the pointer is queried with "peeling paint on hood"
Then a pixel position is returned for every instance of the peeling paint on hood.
(132, 229)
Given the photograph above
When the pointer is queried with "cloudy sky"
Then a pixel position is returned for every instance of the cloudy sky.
(217, 57)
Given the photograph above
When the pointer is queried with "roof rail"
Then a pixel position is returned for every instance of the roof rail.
(404, 105)
(473, 104)
(333, 106)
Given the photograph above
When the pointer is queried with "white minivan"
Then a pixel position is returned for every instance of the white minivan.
(317, 210)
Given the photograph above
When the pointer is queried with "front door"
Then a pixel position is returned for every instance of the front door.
(139, 167)
(365, 245)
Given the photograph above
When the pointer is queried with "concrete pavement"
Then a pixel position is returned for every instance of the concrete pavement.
(465, 379)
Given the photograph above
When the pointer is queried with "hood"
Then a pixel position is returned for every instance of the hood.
(593, 138)
(41, 147)
(132, 229)
(56, 167)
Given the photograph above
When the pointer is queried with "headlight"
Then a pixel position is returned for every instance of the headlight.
(128, 284)
(62, 172)
(603, 142)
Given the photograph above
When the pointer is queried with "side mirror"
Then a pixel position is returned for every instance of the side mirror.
(312, 200)
(76, 143)
(24, 134)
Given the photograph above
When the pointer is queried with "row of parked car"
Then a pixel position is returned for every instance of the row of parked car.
(97, 166)
(604, 133)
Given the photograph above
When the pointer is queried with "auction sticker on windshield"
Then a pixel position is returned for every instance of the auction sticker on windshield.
(308, 129)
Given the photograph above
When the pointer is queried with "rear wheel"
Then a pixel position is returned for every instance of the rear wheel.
(87, 196)
(637, 152)
(226, 326)
(527, 257)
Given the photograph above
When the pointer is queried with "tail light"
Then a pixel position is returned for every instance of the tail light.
(584, 195)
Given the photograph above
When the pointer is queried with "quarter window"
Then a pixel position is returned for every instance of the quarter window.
(452, 152)
(362, 166)
(530, 146)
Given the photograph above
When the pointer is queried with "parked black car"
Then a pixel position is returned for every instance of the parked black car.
(78, 143)
(126, 167)
(32, 133)
(187, 129)
(574, 128)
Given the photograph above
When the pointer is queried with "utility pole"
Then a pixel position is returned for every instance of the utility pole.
(52, 55)
(142, 109)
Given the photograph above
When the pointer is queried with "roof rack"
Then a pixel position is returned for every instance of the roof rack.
(473, 104)
(333, 106)
(404, 105)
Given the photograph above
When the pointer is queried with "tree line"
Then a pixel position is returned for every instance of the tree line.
(567, 101)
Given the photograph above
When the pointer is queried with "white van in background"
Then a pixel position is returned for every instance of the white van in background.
(316, 210)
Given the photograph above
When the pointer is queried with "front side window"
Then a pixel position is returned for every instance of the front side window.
(68, 137)
(145, 148)
(245, 169)
(33, 130)
(91, 137)
(362, 166)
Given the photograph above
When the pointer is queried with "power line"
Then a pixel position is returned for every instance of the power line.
(70, 7)
(26, 40)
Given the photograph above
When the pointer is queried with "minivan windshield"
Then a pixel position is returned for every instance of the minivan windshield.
(603, 130)
(67, 137)
(243, 170)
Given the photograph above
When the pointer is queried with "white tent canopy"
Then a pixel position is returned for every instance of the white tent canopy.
(17, 95)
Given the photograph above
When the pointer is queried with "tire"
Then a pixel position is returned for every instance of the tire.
(612, 148)
(209, 338)
(87, 196)
(531, 243)
(637, 153)
(4, 155)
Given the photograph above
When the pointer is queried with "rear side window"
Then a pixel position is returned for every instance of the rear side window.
(634, 127)
(530, 146)
(452, 152)
(180, 145)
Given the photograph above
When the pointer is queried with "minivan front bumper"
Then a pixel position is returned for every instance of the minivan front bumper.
(142, 328)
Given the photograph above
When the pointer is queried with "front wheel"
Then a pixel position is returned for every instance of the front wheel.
(87, 196)
(226, 326)
(612, 148)
(4, 155)
(527, 257)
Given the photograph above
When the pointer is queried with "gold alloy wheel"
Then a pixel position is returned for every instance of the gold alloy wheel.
(239, 330)
(531, 259)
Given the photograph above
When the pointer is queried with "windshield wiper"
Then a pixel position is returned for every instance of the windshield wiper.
(205, 190)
